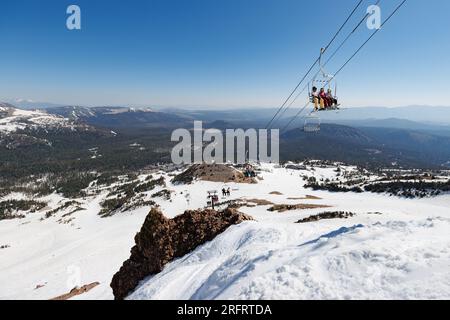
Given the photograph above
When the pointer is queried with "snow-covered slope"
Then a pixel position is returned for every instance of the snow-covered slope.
(362, 258)
(403, 253)
(393, 248)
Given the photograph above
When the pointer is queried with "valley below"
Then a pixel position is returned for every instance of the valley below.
(91, 207)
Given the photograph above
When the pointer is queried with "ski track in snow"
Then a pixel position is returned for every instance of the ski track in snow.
(404, 253)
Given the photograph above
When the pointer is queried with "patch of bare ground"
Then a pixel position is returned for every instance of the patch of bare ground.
(327, 215)
(299, 206)
(77, 291)
(307, 197)
(239, 204)
(259, 202)
(213, 173)
(277, 193)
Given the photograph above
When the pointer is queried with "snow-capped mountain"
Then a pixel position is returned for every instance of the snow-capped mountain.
(20, 127)
(13, 119)
(300, 244)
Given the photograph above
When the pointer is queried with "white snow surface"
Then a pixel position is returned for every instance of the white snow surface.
(402, 253)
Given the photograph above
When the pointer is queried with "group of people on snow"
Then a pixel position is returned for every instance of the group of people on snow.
(249, 172)
(226, 192)
(323, 99)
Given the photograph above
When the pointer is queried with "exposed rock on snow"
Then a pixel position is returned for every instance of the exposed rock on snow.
(161, 240)
(165, 194)
(77, 291)
(327, 215)
(213, 173)
(299, 206)
(277, 193)
(259, 202)
(307, 197)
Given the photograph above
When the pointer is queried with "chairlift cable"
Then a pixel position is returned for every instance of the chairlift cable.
(331, 57)
(292, 93)
(371, 36)
(349, 35)
(314, 64)
(292, 120)
(343, 25)
(363, 45)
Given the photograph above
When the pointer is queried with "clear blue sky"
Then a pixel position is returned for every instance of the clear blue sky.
(218, 53)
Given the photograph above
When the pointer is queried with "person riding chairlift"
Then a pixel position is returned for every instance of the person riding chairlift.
(331, 99)
(325, 102)
(315, 98)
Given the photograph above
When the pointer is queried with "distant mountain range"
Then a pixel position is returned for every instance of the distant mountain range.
(63, 136)
(434, 115)
(120, 117)
(437, 129)
(368, 146)
(27, 104)
(422, 114)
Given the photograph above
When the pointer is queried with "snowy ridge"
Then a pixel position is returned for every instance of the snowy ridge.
(17, 119)
(260, 261)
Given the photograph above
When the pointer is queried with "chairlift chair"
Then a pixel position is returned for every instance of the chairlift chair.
(312, 123)
(322, 80)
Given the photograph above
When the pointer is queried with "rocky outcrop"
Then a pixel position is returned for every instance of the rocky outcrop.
(212, 172)
(161, 240)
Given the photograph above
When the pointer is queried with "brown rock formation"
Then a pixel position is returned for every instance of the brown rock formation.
(76, 291)
(161, 240)
(212, 172)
